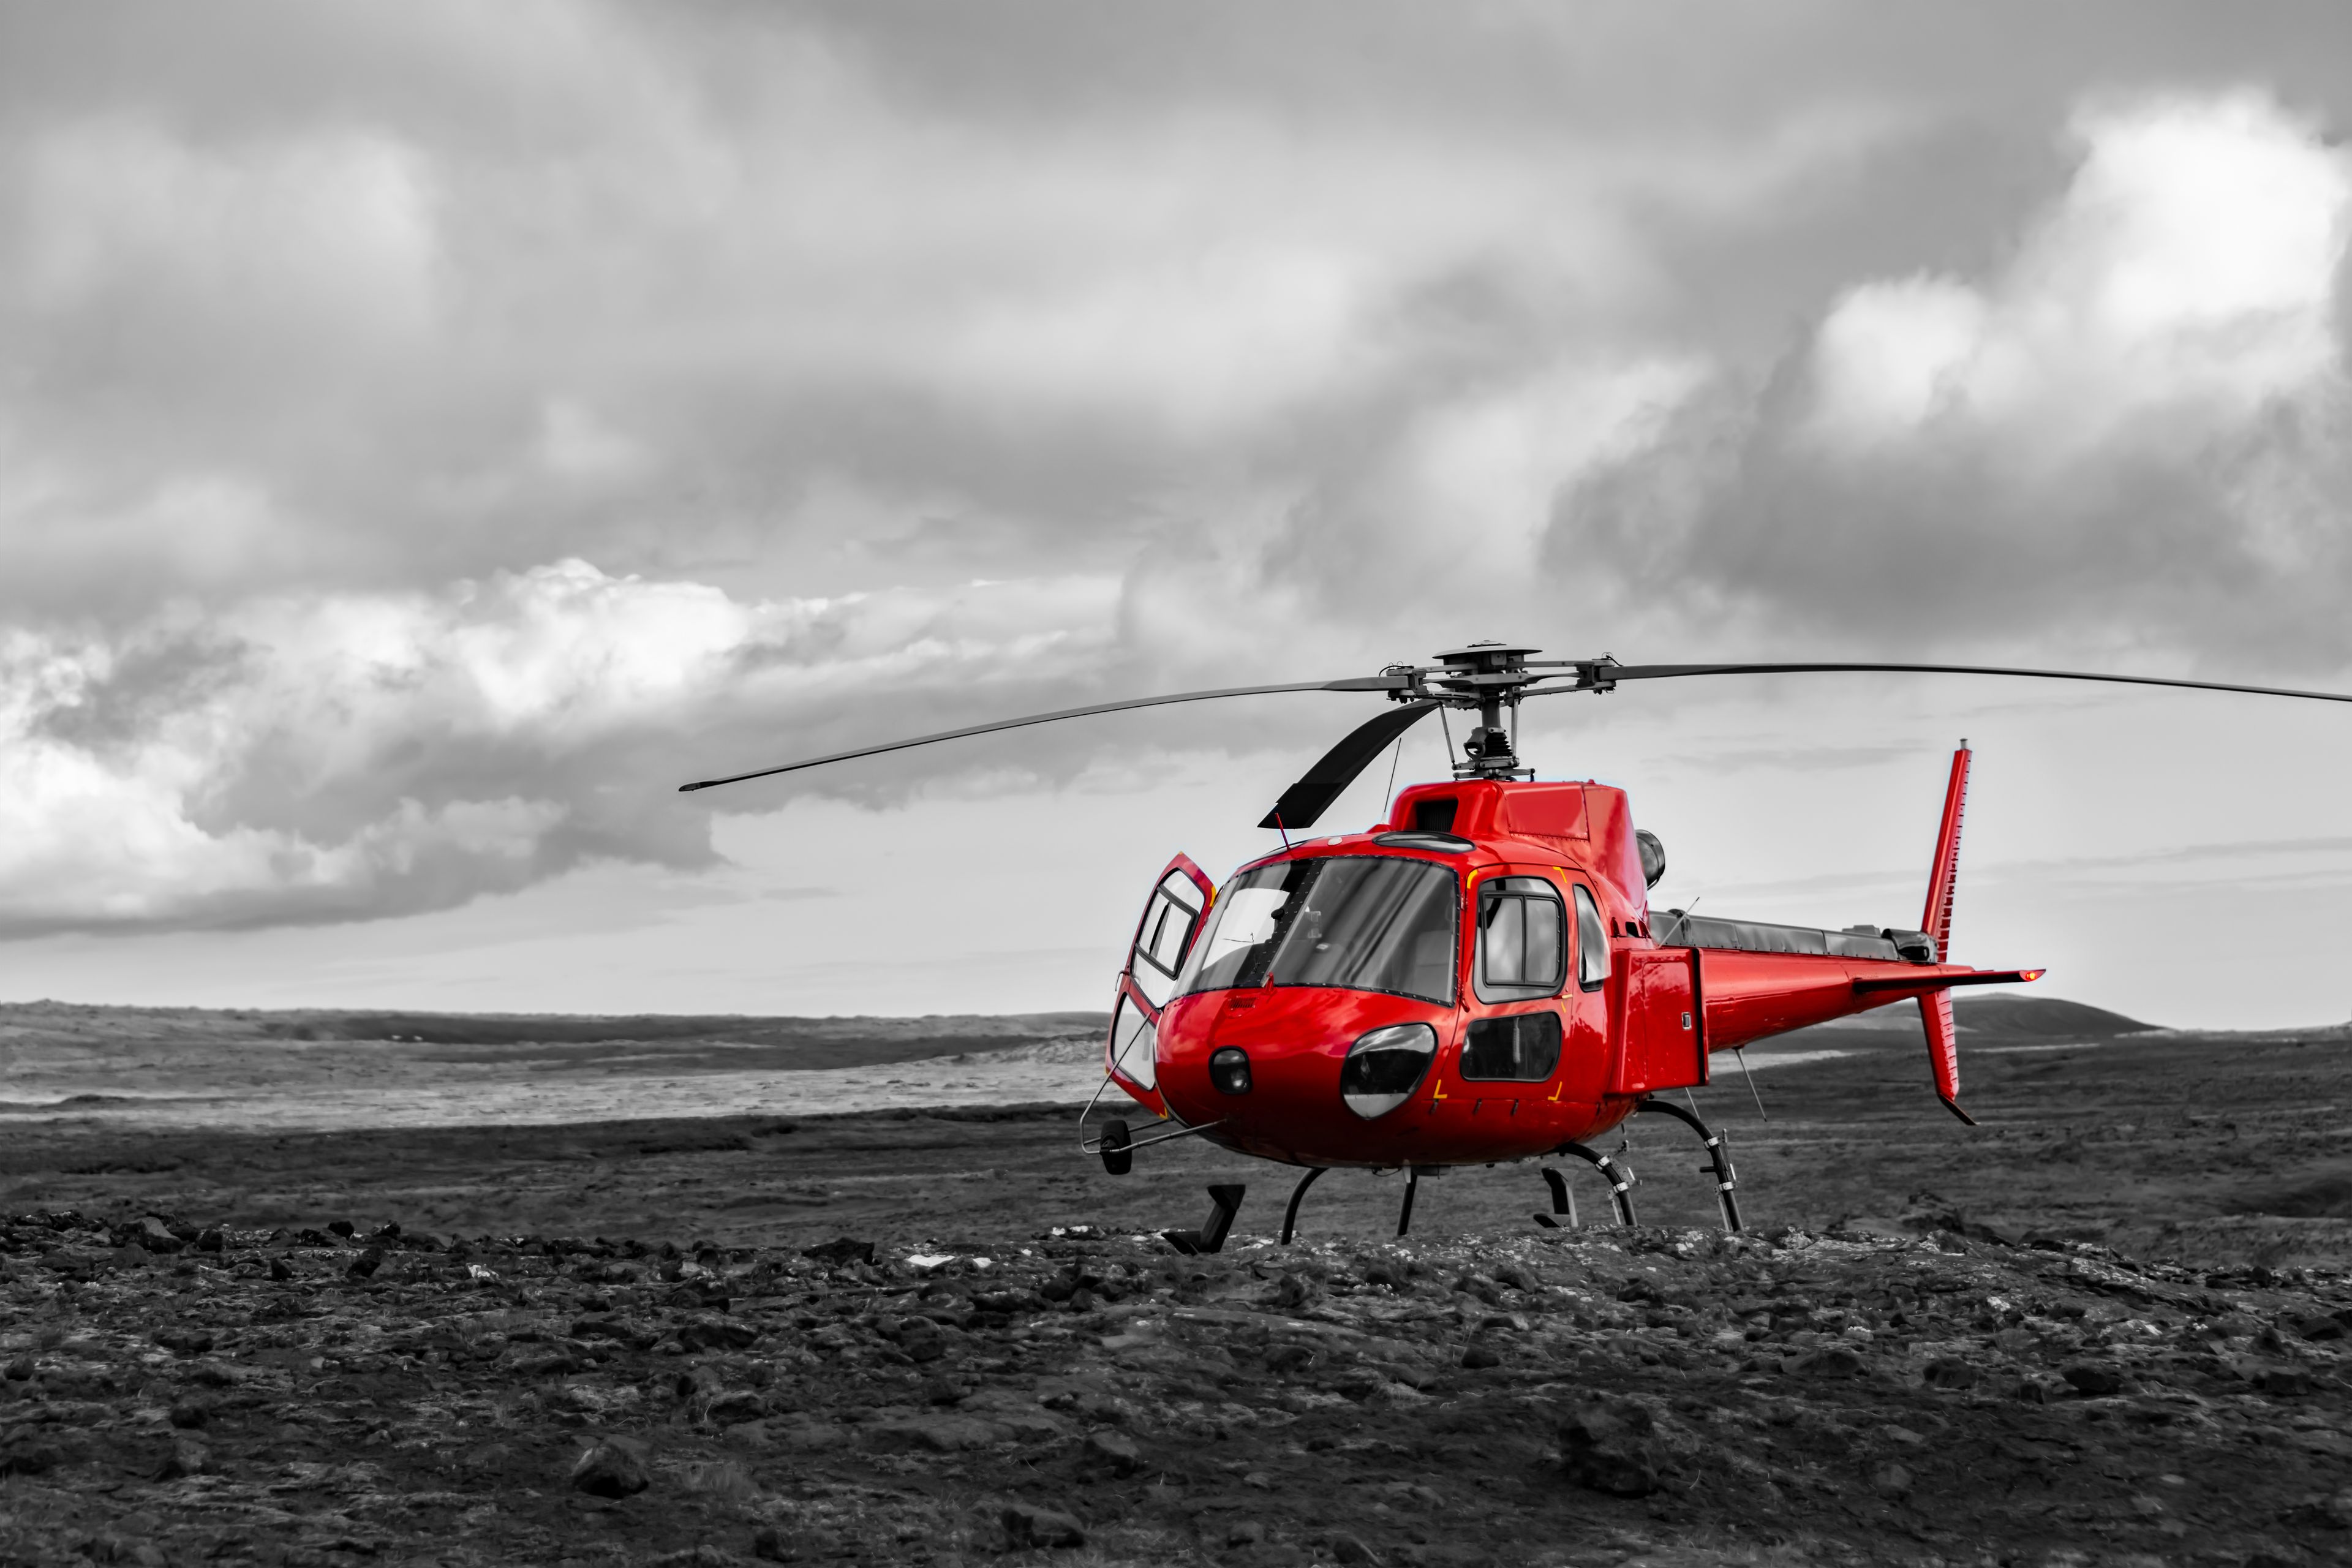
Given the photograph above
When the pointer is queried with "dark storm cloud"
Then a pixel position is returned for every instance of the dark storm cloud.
(428, 435)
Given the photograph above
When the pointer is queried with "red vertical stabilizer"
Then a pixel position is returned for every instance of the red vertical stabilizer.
(1935, 1008)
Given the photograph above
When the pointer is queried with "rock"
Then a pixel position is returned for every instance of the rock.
(18, 1371)
(1347, 1549)
(1283, 1360)
(737, 1404)
(840, 1254)
(281, 1270)
(1027, 1525)
(184, 1342)
(1290, 1291)
(189, 1414)
(25, 1454)
(1607, 1448)
(1890, 1480)
(211, 1239)
(712, 1331)
(1479, 1357)
(2282, 1380)
(2091, 1379)
(1486, 1291)
(156, 1237)
(614, 1467)
(941, 1434)
(1949, 1371)
(922, 1340)
(1828, 1362)
(342, 1227)
(772, 1545)
(189, 1456)
(365, 1264)
(1113, 1451)
(1247, 1532)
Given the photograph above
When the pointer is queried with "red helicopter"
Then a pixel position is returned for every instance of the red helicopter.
(1480, 977)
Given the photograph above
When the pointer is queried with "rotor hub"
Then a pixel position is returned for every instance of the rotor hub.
(1487, 677)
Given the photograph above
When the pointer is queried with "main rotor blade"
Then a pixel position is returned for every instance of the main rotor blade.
(1312, 795)
(1605, 675)
(1356, 683)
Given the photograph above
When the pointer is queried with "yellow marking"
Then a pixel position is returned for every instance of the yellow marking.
(1437, 1090)
(1557, 1089)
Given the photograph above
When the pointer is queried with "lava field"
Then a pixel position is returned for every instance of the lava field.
(185, 1395)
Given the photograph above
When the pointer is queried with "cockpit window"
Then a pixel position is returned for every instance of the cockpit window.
(1522, 939)
(1358, 922)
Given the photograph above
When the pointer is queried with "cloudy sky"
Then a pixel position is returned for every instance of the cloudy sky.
(428, 434)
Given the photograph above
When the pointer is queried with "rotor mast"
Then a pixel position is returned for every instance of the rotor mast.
(1489, 676)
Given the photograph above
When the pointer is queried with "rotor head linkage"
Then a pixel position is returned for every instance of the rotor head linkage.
(1486, 677)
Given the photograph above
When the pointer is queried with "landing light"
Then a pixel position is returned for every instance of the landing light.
(1229, 1070)
(1385, 1066)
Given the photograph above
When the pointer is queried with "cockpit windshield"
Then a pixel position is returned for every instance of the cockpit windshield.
(1359, 923)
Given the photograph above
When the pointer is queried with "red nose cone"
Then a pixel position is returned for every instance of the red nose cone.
(1294, 1040)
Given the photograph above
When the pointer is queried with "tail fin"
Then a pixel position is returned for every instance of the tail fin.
(1937, 920)
(1944, 1050)
(1935, 1008)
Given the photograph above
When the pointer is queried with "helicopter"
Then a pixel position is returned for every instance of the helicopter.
(1479, 978)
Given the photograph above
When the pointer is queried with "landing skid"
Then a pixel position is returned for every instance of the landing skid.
(1224, 1202)
(1290, 1215)
(1619, 1176)
(1718, 1156)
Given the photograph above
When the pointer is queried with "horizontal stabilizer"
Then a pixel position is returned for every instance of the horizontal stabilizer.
(1942, 981)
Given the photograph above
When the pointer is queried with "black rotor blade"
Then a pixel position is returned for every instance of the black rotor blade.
(1610, 674)
(1354, 683)
(1312, 795)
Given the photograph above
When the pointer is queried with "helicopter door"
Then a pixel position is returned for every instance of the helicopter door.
(1171, 919)
(1662, 1030)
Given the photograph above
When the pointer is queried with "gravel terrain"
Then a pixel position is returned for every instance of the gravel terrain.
(198, 1366)
(181, 1395)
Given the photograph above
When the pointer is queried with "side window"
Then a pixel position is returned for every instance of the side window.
(1522, 939)
(1523, 1047)
(1166, 932)
(1134, 1042)
(1592, 942)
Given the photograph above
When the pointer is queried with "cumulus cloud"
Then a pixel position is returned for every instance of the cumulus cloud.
(354, 755)
(896, 369)
(2134, 430)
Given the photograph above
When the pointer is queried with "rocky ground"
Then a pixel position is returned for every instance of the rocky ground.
(1871, 1374)
(1664, 1395)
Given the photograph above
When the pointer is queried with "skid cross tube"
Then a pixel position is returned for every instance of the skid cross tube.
(1719, 1157)
(1563, 1200)
(1290, 1215)
(1411, 1185)
(1224, 1202)
(1619, 1175)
